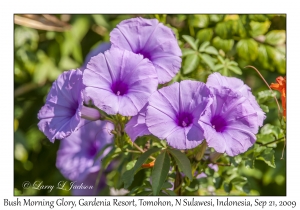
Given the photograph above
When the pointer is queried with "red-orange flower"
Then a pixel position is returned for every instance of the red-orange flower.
(281, 87)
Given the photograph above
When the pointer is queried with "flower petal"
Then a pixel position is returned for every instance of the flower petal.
(217, 80)
(119, 81)
(153, 40)
(60, 116)
(173, 113)
(137, 125)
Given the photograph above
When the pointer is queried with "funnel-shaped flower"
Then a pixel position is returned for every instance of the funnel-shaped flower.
(217, 80)
(230, 123)
(174, 111)
(153, 40)
(60, 116)
(76, 157)
(119, 81)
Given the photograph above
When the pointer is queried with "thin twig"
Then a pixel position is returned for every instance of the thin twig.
(277, 140)
(140, 149)
(266, 84)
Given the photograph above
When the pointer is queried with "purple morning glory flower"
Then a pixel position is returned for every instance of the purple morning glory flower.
(76, 157)
(230, 123)
(217, 80)
(119, 81)
(137, 125)
(153, 40)
(61, 114)
(174, 111)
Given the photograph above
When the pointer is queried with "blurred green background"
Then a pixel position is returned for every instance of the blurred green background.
(47, 45)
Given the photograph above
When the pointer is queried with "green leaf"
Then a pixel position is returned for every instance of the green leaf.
(216, 18)
(211, 50)
(224, 29)
(265, 138)
(246, 188)
(218, 182)
(203, 46)
(190, 63)
(224, 44)
(183, 162)
(259, 18)
(238, 180)
(166, 185)
(263, 57)
(191, 41)
(100, 20)
(80, 27)
(276, 37)
(233, 63)
(160, 172)
(258, 28)
(204, 35)
(235, 69)
(227, 187)
(130, 165)
(218, 67)
(247, 49)
(277, 57)
(268, 157)
(128, 175)
(68, 63)
(208, 60)
(265, 95)
(170, 192)
(271, 129)
(199, 21)
(264, 108)
(187, 51)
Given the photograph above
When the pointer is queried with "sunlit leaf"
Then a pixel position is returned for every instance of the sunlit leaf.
(208, 60)
(224, 44)
(268, 157)
(276, 37)
(235, 69)
(204, 35)
(247, 49)
(191, 41)
(190, 64)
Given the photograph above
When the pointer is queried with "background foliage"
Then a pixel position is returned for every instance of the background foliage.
(47, 45)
